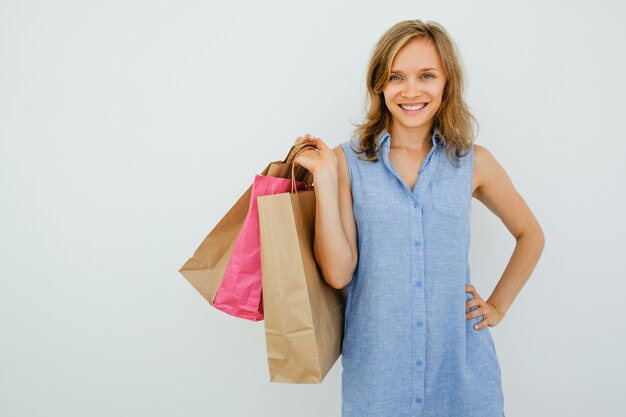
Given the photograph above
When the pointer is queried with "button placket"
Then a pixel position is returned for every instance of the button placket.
(418, 310)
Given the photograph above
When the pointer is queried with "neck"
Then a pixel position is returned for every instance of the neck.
(416, 139)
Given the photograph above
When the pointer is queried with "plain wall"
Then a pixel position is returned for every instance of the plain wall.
(129, 128)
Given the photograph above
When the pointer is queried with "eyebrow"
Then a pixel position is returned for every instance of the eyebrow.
(423, 69)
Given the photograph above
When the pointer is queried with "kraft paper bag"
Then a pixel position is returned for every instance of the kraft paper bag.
(239, 293)
(205, 269)
(304, 315)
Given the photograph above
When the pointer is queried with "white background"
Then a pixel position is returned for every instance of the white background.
(128, 128)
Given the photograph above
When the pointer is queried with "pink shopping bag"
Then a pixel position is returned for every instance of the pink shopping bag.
(240, 292)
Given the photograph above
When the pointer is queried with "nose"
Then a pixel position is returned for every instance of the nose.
(411, 89)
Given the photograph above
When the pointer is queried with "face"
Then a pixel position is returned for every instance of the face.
(416, 78)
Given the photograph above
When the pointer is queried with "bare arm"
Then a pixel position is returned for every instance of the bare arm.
(496, 191)
(335, 245)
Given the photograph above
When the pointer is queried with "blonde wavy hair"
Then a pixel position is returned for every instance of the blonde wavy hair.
(453, 117)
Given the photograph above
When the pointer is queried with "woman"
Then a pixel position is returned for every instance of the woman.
(393, 224)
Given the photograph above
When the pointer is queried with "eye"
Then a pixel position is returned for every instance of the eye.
(428, 73)
(391, 78)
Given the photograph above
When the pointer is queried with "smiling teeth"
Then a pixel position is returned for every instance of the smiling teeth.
(413, 107)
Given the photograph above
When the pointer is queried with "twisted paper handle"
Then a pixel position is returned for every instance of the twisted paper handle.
(293, 182)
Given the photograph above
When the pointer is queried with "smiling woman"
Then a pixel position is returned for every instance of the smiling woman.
(410, 67)
(407, 80)
(393, 224)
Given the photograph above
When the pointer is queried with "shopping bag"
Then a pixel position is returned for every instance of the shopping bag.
(239, 293)
(304, 315)
(205, 269)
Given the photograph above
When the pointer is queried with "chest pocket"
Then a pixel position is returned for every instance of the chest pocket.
(448, 196)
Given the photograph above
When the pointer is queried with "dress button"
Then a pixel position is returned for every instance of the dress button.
(416, 243)
(415, 205)
(418, 362)
(418, 284)
(419, 324)
(418, 400)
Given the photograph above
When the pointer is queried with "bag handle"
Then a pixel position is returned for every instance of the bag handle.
(293, 152)
(303, 147)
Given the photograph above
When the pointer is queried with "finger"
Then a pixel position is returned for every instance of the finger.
(481, 323)
(320, 144)
(475, 293)
(302, 139)
(306, 139)
(312, 141)
(474, 310)
(309, 150)
(471, 303)
(479, 312)
(471, 290)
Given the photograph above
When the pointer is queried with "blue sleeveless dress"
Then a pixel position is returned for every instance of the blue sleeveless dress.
(408, 349)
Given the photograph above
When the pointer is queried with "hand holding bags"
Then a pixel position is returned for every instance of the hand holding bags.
(226, 269)
(304, 315)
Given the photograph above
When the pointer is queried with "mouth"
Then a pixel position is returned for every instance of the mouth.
(413, 108)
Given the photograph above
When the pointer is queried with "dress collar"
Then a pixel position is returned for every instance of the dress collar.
(384, 136)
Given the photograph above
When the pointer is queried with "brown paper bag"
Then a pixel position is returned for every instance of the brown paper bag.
(205, 269)
(304, 315)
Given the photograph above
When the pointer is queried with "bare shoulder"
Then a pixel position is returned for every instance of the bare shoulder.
(493, 187)
(488, 173)
(339, 152)
(482, 157)
(342, 167)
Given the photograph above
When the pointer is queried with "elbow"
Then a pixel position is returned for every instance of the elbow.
(534, 236)
(540, 237)
(342, 280)
(336, 272)
(338, 284)
(335, 278)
